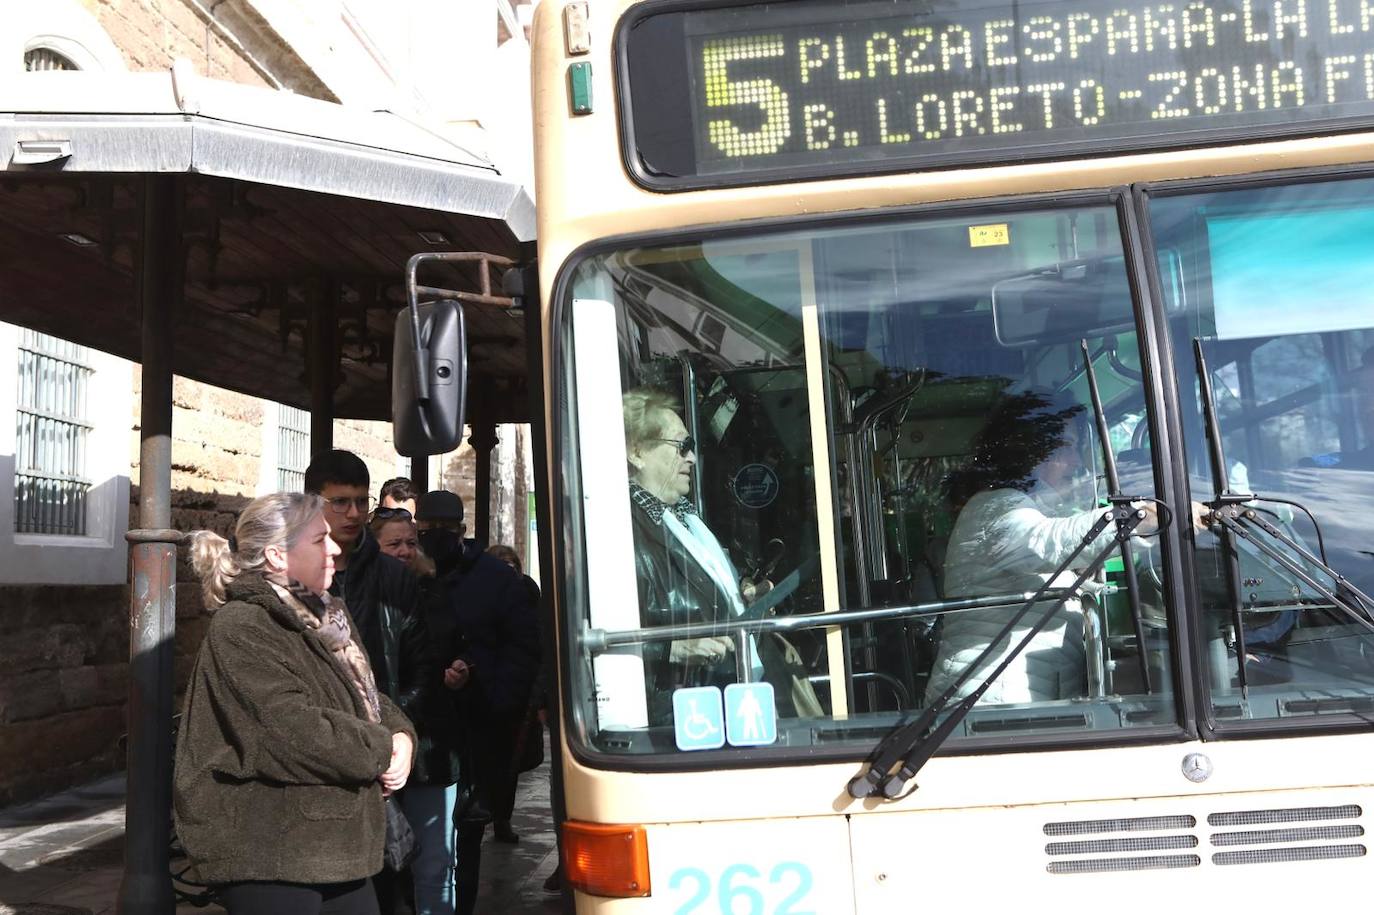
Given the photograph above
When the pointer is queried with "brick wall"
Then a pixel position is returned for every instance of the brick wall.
(151, 34)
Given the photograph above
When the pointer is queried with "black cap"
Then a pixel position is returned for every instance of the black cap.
(439, 505)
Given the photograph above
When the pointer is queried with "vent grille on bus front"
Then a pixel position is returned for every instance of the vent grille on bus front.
(1304, 834)
(1329, 840)
(1109, 845)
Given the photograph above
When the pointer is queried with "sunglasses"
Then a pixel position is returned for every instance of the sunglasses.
(684, 445)
(390, 514)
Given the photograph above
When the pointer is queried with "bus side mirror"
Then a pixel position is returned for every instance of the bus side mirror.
(429, 373)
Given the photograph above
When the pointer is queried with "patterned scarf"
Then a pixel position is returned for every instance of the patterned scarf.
(654, 507)
(325, 615)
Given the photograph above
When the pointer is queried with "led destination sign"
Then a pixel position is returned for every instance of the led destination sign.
(804, 86)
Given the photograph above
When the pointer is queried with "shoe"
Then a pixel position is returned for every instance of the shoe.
(501, 832)
(554, 882)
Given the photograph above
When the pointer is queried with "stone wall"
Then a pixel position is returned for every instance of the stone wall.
(63, 684)
(150, 34)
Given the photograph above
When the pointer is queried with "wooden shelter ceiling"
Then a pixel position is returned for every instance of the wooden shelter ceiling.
(258, 262)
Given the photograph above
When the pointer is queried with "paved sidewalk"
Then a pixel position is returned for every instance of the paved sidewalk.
(64, 855)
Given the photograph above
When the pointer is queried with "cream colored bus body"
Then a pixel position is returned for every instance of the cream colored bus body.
(973, 837)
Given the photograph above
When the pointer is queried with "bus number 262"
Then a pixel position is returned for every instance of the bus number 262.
(738, 892)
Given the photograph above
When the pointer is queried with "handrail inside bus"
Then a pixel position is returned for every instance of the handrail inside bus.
(599, 640)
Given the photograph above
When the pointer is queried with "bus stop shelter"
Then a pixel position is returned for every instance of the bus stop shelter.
(253, 240)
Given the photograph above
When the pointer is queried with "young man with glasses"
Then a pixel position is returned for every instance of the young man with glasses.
(383, 597)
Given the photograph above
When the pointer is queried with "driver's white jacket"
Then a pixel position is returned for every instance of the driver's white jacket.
(1004, 542)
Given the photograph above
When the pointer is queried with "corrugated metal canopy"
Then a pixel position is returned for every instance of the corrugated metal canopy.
(290, 204)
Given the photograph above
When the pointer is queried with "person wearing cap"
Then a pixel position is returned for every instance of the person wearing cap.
(498, 622)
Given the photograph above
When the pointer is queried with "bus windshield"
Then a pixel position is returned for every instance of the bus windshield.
(811, 473)
(1280, 282)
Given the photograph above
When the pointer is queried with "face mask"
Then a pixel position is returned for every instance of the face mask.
(441, 543)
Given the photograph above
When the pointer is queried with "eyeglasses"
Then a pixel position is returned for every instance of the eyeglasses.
(391, 514)
(684, 445)
(341, 504)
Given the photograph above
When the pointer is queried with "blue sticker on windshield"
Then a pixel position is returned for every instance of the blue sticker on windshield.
(751, 715)
(755, 485)
(698, 718)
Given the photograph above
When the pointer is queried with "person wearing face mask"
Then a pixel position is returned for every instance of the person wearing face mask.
(1028, 500)
(497, 621)
(287, 746)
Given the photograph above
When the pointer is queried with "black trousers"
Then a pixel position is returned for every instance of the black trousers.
(352, 898)
(493, 758)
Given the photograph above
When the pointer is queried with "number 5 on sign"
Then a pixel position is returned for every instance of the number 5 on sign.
(742, 889)
(722, 92)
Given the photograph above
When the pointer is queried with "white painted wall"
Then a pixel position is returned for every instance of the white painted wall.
(100, 557)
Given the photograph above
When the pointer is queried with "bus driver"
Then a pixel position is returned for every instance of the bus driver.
(1029, 504)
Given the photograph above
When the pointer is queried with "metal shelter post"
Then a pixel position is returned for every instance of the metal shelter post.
(482, 440)
(146, 886)
(419, 473)
(324, 366)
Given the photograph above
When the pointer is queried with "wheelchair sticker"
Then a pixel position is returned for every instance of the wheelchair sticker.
(698, 718)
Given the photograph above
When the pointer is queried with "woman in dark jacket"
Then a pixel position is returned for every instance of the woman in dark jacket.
(425, 644)
(287, 748)
(684, 574)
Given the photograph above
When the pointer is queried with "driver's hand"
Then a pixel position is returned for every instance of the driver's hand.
(1150, 523)
(754, 589)
(709, 649)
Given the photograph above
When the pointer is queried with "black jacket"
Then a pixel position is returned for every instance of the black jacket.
(674, 590)
(438, 760)
(384, 598)
(499, 623)
(276, 764)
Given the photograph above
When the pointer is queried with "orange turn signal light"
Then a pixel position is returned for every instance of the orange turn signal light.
(606, 859)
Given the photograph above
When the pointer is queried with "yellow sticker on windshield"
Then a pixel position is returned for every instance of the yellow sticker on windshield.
(986, 236)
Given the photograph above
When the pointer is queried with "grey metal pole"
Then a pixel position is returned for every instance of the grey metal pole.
(482, 440)
(419, 473)
(146, 888)
(324, 367)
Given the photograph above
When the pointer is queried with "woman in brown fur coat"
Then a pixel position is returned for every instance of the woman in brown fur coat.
(287, 748)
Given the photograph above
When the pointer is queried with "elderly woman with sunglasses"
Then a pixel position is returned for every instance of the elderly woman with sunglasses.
(684, 574)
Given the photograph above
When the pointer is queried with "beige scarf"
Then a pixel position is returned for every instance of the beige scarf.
(326, 616)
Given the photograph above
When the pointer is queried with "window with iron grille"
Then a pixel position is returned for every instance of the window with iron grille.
(51, 428)
(47, 59)
(293, 448)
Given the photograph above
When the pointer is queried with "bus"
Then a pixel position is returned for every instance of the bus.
(960, 450)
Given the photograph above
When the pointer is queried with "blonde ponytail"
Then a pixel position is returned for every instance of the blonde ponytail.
(214, 562)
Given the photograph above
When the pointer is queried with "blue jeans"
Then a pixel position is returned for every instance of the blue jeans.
(430, 811)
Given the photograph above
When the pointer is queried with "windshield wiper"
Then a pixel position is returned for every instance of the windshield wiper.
(1233, 519)
(913, 744)
(1114, 497)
